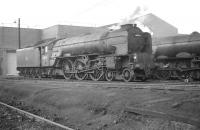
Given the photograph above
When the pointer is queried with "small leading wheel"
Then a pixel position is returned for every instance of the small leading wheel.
(97, 74)
(32, 72)
(24, 72)
(67, 68)
(110, 75)
(79, 66)
(127, 75)
(162, 74)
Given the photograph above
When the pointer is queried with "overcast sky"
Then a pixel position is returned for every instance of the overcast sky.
(184, 14)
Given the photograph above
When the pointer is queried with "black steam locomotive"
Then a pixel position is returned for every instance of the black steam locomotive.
(178, 57)
(125, 53)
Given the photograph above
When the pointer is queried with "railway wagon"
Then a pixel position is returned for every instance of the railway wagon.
(126, 53)
(178, 57)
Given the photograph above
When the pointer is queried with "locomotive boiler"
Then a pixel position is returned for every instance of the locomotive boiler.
(125, 53)
(178, 56)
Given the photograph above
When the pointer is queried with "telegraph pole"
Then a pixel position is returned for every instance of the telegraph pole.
(19, 33)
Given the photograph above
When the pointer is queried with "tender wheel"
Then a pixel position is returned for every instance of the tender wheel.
(110, 75)
(38, 73)
(127, 75)
(32, 75)
(79, 66)
(67, 68)
(26, 72)
(162, 74)
(97, 74)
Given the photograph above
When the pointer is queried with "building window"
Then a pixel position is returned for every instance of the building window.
(46, 49)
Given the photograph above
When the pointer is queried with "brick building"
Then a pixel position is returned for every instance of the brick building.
(63, 31)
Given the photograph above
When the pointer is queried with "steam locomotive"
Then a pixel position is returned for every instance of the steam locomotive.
(178, 57)
(124, 53)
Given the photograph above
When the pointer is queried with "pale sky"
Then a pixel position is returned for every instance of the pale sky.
(183, 14)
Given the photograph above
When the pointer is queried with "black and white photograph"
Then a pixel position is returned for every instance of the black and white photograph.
(99, 65)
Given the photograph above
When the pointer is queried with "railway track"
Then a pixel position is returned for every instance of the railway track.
(36, 117)
(105, 82)
(156, 85)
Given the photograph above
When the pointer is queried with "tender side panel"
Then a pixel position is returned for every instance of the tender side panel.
(28, 57)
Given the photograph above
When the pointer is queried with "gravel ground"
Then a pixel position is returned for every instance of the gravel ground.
(12, 120)
(100, 106)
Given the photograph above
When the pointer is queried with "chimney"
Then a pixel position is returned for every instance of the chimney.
(126, 26)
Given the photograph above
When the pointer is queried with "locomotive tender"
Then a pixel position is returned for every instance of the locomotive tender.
(178, 57)
(125, 53)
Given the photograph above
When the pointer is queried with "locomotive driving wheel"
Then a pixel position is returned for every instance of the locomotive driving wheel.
(79, 66)
(67, 68)
(127, 75)
(110, 75)
(26, 72)
(97, 74)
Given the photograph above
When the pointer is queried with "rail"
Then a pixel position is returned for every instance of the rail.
(36, 117)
